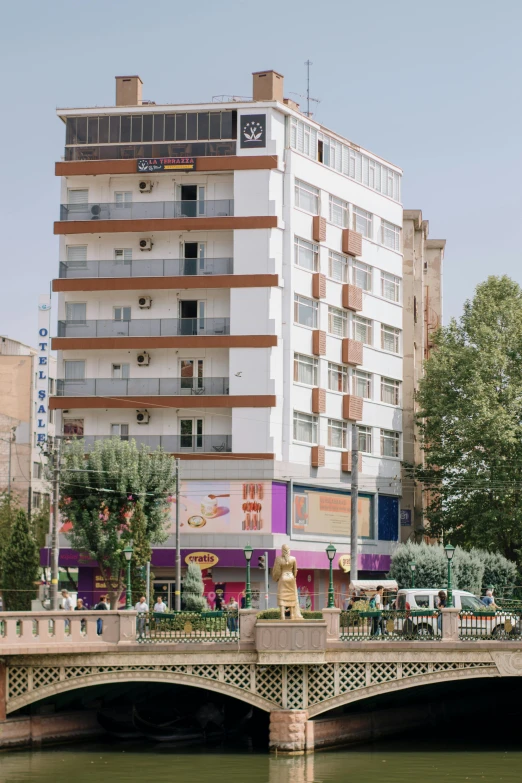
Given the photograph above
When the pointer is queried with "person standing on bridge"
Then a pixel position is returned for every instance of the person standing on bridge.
(142, 609)
(101, 606)
(376, 606)
(159, 606)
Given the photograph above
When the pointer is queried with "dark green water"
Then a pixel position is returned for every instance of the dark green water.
(384, 763)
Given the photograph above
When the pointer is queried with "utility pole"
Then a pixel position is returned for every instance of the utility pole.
(55, 548)
(354, 503)
(177, 593)
(11, 439)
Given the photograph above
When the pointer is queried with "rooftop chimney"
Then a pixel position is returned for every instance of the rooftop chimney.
(128, 91)
(268, 86)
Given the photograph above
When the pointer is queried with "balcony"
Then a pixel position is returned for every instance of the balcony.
(145, 327)
(191, 149)
(173, 444)
(140, 387)
(148, 210)
(147, 267)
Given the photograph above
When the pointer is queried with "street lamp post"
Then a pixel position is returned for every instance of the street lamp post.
(128, 557)
(248, 551)
(331, 551)
(449, 552)
(413, 566)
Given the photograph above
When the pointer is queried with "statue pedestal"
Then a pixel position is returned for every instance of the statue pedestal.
(290, 641)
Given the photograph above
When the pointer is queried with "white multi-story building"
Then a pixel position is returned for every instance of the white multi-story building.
(231, 290)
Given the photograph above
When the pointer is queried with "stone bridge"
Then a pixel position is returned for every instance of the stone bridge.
(295, 671)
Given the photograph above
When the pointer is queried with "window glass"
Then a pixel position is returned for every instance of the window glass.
(390, 338)
(122, 198)
(147, 127)
(306, 197)
(305, 311)
(306, 254)
(390, 287)
(336, 434)
(362, 384)
(422, 601)
(92, 131)
(114, 130)
(362, 222)
(305, 369)
(181, 127)
(136, 127)
(170, 127)
(365, 439)
(362, 330)
(338, 267)
(215, 125)
(390, 391)
(76, 256)
(389, 443)
(338, 212)
(73, 428)
(203, 125)
(337, 377)
(390, 235)
(192, 126)
(74, 370)
(120, 431)
(122, 313)
(159, 127)
(81, 130)
(76, 312)
(337, 322)
(305, 427)
(125, 129)
(362, 275)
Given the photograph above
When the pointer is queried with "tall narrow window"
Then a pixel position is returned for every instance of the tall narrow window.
(338, 267)
(390, 391)
(390, 235)
(305, 369)
(390, 338)
(337, 377)
(362, 275)
(390, 443)
(305, 427)
(362, 384)
(390, 287)
(365, 439)
(337, 322)
(362, 222)
(306, 197)
(306, 254)
(336, 434)
(338, 212)
(362, 330)
(305, 311)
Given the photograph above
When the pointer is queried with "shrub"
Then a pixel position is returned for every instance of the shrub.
(193, 588)
(275, 614)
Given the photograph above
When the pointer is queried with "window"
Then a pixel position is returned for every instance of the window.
(422, 601)
(51, 385)
(305, 369)
(120, 370)
(306, 197)
(338, 267)
(365, 439)
(191, 434)
(77, 200)
(306, 254)
(122, 313)
(74, 371)
(336, 434)
(73, 428)
(337, 322)
(390, 235)
(390, 391)
(76, 256)
(362, 275)
(37, 499)
(362, 330)
(390, 338)
(37, 470)
(123, 198)
(76, 312)
(192, 374)
(120, 431)
(305, 311)
(337, 377)
(305, 427)
(362, 384)
(362, 222)
(338, 212)
(390, 287)
(123, 254)
(389, 443)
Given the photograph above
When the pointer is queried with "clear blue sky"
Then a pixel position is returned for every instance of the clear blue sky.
(432, 86)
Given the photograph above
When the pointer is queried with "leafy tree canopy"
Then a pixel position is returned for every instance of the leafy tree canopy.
(20, 566)
(470, 416)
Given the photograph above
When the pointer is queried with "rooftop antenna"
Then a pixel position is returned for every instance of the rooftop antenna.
(308, 63)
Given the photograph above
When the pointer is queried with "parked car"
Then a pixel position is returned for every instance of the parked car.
(480, 621)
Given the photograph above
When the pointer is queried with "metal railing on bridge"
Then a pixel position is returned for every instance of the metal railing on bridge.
(503, 624)
(187, 627)
(390, 625)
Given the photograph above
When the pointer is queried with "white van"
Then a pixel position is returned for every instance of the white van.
(480, 622)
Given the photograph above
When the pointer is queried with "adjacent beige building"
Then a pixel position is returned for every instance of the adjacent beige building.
(422, 316)
(21, 460)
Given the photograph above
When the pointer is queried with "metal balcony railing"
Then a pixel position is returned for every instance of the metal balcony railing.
(173, 444)
(130, 387)
(148, 210)
(144, 327)
(147, 267)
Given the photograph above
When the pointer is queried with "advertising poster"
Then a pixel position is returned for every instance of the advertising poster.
(224, 507)
(328, 513)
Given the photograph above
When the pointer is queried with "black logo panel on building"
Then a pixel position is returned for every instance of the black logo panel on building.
(253, 130)
(148, 165)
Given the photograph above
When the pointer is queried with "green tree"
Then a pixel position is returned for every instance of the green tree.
(141, 553)
(99, 494)
(8, 511)
(20, 567)
(470, 417)
(193, 589)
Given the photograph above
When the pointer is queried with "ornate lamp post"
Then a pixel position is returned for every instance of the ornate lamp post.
(331, 551)
(413, 566)
(449, 552)
(128, 557)
(248, 551)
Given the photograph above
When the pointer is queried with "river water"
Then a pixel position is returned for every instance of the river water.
(390, 762)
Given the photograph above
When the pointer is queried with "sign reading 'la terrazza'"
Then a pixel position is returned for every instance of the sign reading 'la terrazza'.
(149, 165)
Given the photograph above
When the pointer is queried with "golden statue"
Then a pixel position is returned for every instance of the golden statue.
(284, 573)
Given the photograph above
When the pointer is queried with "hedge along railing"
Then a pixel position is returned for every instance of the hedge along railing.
(390, 625)
(495, 624)
(275, 614)
(191, 627)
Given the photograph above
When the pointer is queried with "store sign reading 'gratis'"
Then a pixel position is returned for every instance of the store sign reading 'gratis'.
(202, 559)
(149, 165)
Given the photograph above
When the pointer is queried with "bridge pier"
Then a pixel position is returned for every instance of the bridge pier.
(288, 731)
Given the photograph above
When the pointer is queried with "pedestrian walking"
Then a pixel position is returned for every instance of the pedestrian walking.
(442, 603)
(376, 606)
(142, 609)
(81, 608)
(232, 609)
(101, 606)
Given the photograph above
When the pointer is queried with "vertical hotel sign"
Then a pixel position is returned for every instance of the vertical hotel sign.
(42, 369)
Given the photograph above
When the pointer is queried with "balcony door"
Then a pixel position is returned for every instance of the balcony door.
(191, 372)
(192, 199)
(191, 434)
(192, 315)
(194, 258)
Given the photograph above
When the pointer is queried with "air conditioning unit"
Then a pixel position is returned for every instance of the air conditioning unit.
(146, 244)
(145, 186)
(143, 359)
(142, 417)
(145, 302)
(95, 212)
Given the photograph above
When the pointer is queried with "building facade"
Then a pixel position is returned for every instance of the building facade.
(230, 289)
(422, 314)
(22, 457)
